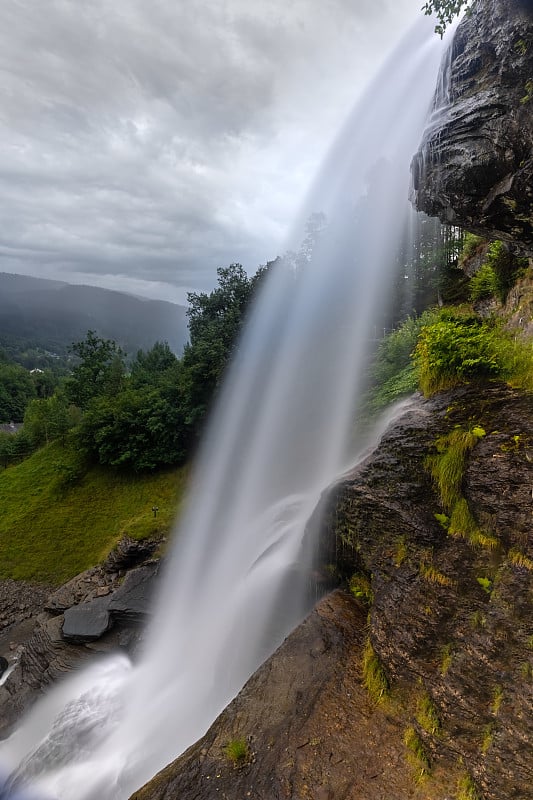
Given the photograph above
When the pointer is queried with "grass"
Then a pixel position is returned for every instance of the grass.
(447, 658)
(466, 789)
(374, 678)
(518, 559)
(447, 467)
(60, 517)
(427, 716)
(416, 754)
(431, 575)
(497, 698)
(238, 752)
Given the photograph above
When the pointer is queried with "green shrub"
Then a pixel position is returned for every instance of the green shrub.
(454, 349)
(484, 283)
(471, 244)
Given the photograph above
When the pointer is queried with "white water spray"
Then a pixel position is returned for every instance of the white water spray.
(236, 582)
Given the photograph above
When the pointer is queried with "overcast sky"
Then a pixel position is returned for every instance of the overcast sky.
(143, 143)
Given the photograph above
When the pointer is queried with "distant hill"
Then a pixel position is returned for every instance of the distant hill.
(50, 315)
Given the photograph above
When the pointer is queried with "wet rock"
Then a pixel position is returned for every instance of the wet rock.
(133, 599)
(4, 664)
(129, 553)
(313, 731)
(87, 622)
(475, 165)
(440, 636)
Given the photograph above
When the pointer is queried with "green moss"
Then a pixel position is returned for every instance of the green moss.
(497, 698)
(447, 469)
(447, 466)
(528, 87)
(361, 588)
(526, 670)
(374, 677)
(487, 739)
(443, 520)
(446, 659)
(401, 551)
(427, 716)
(485, 583)
(466, 789)
(416, 755)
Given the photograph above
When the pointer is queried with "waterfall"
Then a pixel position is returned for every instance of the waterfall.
(235, 584)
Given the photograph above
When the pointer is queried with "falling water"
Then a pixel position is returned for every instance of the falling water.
(236, 582)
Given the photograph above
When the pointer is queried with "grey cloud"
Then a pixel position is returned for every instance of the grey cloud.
(160, 140)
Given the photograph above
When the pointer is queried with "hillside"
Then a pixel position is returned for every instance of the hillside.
(50, 315)
(60, 517)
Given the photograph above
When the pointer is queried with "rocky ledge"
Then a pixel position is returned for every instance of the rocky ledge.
(48, 633)
(442, 624)
(475, 165)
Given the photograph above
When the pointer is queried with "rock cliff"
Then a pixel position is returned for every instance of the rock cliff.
(475, 165)
(448, 632)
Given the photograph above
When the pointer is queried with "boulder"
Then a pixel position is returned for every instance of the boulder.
(133, 599)
(87, 622)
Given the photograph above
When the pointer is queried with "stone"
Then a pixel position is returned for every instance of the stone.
(474, 168)
(87, 622)
(133, 599)
(4, 664)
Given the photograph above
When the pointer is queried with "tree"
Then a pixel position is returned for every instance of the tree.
(140, 429)
(446, 11)
(215, 322)
(49, 419)
(16, 390)
(101, 370)
(153, 367)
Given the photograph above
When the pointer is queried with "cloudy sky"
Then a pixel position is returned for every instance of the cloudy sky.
(143, 143)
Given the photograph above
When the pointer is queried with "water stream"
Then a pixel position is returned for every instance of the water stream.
(236, 584)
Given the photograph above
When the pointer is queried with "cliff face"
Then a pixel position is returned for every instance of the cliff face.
(475, 165)
(448, 621)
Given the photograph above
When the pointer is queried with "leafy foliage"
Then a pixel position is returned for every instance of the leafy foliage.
(16, 390)
(215, 322)
(497, 274)
(453, 349)
(49, 419)
(100, 371)
(446, 11)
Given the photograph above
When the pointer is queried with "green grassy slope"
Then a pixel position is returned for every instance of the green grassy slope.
(58, 517)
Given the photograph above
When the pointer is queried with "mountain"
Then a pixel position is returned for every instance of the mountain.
(50, 315)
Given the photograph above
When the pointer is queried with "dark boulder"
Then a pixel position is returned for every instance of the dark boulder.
(133, 599)
(4, 664)
(87, 622)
